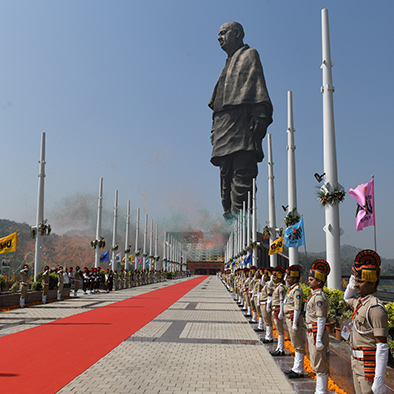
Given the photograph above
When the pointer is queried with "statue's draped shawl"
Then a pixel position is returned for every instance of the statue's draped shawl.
(244, 81)
(239, 94)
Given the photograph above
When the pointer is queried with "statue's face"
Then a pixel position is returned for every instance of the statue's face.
(227, 37)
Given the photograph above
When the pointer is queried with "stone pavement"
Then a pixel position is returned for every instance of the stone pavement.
(201, 344)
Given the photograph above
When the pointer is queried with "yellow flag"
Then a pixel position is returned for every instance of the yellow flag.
(131, 258)
(276, 246)
(8, 243)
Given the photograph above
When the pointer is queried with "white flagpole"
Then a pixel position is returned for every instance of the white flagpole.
(254, 224)
(156, 246)
(151, 246)
(291, 170)
(114, 231)
(40, 210)
(271, 202)
(332, 227)
(137, 233)
(127, 246)
(144, 253)
(98, 227)
(374, 215)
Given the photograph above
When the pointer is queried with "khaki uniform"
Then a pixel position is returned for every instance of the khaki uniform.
(60, 282)
(45, 289)
(266, 292)
(252, 292)
(77, 280)
(317, 306)
(278, 295)
(256, 290)
(246, 291)
(24, 283)
(294, 301)
(369, 321)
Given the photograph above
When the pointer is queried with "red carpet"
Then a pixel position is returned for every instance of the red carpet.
(44, 359)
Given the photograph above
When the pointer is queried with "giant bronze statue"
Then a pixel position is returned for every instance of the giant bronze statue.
(242, 111)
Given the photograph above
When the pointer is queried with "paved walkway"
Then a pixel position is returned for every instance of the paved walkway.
(201, 344)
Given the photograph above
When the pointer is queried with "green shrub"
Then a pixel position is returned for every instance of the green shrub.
(36, 286)
(15, 287)
(52, 281)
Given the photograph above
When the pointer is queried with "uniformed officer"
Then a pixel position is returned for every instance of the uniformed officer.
(24, 284)
(293, 306)
(278, 297)
(315, 317)
(244, 287)
(369, 325)
(252, 306)
(45, 289)
(60, 283)
(85, 280)
(77, 280)
(256, 299)
(116, 279)
(265, 308)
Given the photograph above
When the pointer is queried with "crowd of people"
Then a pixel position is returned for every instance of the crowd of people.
(262, 294)
(89, 280)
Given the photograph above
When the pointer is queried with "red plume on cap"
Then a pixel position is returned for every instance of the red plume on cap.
(320, 270)
(367, 266)
(367, 258)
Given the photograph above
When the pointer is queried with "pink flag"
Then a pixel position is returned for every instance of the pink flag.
(364, 195)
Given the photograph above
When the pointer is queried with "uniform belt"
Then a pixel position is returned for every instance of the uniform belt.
(357, 353)
(25, 284)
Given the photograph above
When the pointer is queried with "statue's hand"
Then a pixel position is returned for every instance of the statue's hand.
(258, 125)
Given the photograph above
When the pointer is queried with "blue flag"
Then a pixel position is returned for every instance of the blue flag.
(104, 257)
(295, 235)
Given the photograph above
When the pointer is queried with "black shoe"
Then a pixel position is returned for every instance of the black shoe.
(244, 309)
(288, 372)
(294, 375)
(267, 340)
(252, 322)
(259, 329)
(277, 353)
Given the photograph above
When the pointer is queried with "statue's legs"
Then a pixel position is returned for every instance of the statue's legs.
(237, 172)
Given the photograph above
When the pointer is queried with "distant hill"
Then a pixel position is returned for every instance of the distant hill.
(57, 249)
(348, 253)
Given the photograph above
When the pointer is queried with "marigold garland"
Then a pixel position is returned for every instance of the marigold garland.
(307, 365)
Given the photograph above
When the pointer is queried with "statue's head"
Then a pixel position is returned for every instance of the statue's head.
(231, 36)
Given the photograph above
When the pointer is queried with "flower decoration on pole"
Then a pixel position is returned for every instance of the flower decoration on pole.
(116, 247)
(100, 243)
(326, 197)
(43, 228)
(292, 218)
(266, 232)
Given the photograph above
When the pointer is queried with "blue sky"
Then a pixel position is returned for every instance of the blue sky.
(121, 89)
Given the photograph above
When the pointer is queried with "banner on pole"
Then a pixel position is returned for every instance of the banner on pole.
(365, 212)
(8, 243)
(295, 235)
(276, 246)
(104, 257)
